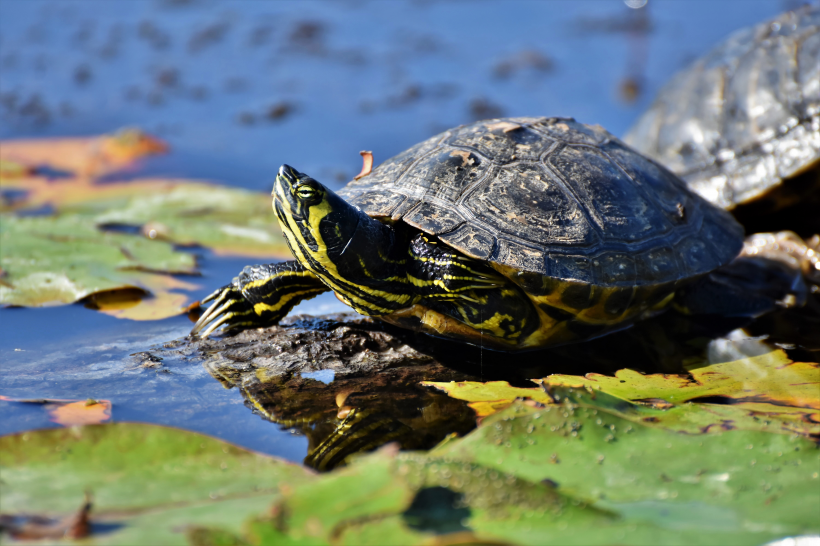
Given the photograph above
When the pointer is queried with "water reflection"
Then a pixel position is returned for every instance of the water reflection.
(345, 408)
(353, 414)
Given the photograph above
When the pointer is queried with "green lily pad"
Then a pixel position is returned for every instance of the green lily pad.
(753, 486)
(230, 221)
(768, 393)
(148, 483)
(584, 470)
(384, 498)
(70, 254)
(58, 260)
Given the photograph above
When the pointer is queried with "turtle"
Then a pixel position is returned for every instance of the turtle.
(741, 125)
(511, 234)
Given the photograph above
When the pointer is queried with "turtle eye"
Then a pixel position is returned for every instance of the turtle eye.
(306, 193)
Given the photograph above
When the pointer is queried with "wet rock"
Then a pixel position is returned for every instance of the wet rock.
(349, 345)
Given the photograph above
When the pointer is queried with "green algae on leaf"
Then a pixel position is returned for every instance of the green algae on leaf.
(148, 482)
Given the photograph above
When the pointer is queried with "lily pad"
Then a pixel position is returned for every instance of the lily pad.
(148, 483)
(767, 392)
(71, 238)
(770, 379)
(385, 498)
(58, 260)
(230, 221)
(490, 397)
(743, 486)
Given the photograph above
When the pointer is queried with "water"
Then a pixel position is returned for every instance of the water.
(239, 88)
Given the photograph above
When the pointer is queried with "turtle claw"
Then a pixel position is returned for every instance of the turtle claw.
(214, 294)
(217, 323)
(228, 304)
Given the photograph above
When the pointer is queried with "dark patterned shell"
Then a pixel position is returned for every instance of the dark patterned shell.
(553, 197)
(746, 116)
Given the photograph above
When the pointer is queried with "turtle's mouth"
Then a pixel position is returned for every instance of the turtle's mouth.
(289, 174)
(285, 180)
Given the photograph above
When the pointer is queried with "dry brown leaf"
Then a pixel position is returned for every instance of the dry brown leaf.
(80, 412)
(367, 164)
(156, 302)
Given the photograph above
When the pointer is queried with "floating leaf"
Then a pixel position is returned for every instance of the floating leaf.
(162, 300)
(149, 482)
(745, 485)
(771, 379)
(490, 397)
(69, 253)
(693, 418)
(70, 412)
(230, 221)
(767, 393)
(60, 260)
(80, 413)
(83, 157)
(386, 498)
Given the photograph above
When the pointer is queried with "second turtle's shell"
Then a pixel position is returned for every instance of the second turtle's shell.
(552, 197)
(745, 117)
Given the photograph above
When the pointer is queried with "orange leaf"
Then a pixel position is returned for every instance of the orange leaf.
(86, 157)
(83, 412)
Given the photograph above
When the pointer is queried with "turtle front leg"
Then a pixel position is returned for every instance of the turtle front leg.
(261, 295)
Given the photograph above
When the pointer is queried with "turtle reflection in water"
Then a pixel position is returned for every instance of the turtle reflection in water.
(508, 233)
(358, 411)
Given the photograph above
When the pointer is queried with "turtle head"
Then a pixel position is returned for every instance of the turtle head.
(313, 218)
(329, 236)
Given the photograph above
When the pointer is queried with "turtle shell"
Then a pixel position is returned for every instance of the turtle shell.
(553, 197)
(745, 117)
